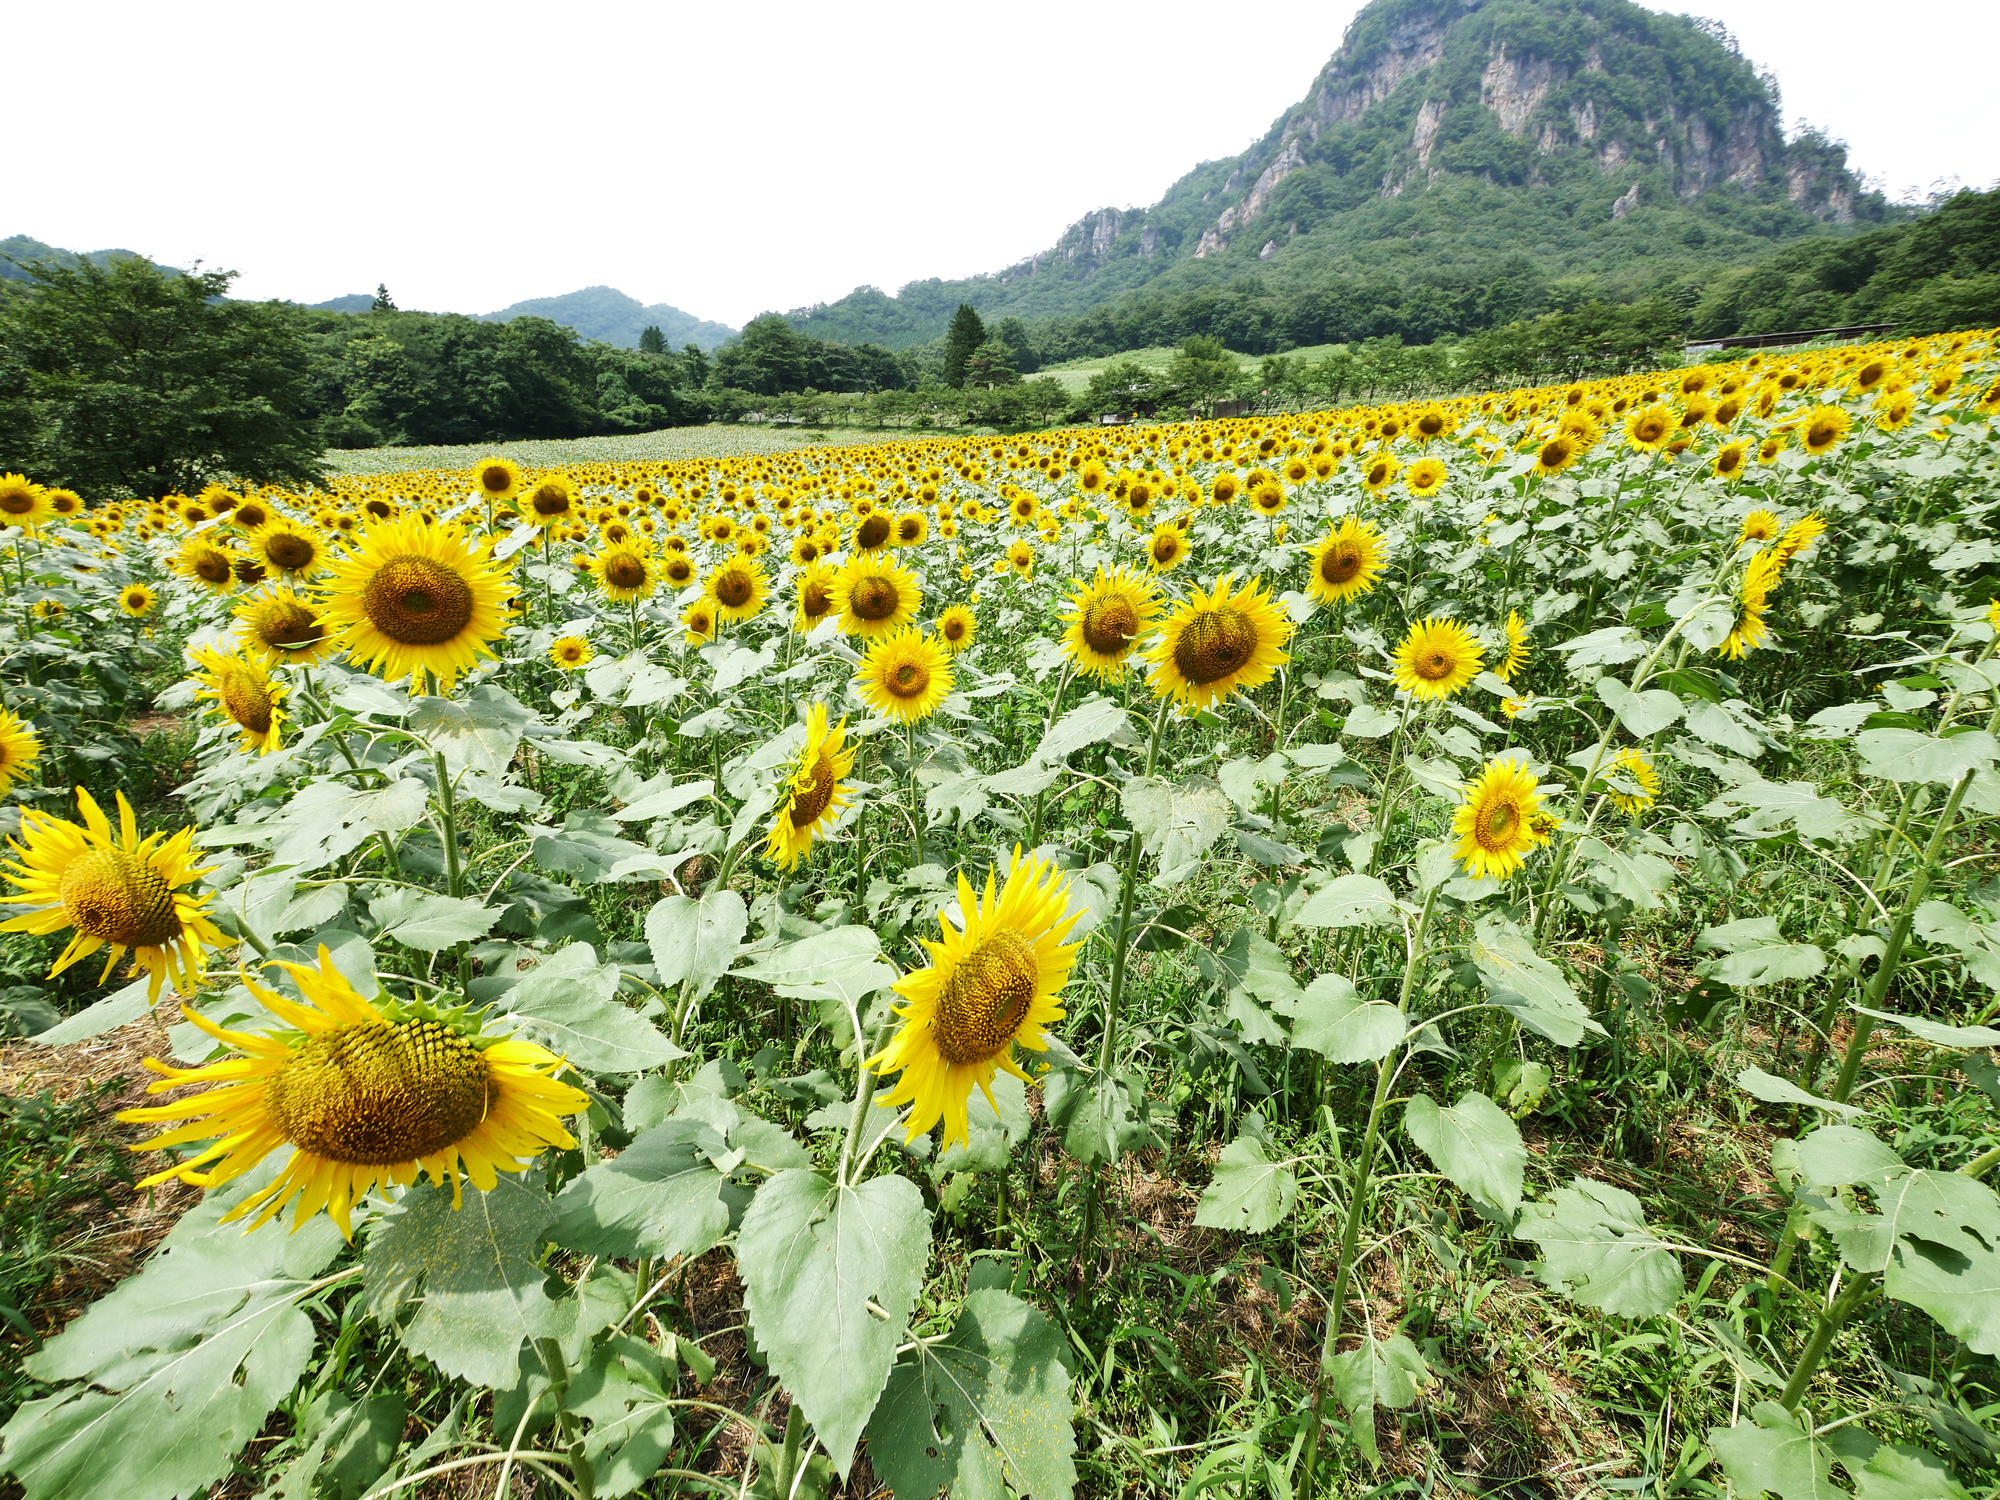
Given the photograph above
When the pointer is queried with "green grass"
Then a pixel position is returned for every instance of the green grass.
(668, 445)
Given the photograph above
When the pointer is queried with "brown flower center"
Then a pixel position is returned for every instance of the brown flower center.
(290, 551)
(417, 602)
(908, 679)
(373, 1093)
(982, 1004)
(247, 700)
(1338, 565)
(811, 799)
(1213, 644)
(625, 571)
(733, 588)
(1109, 625)
(872, 533)
(550, 500)
(119, 898)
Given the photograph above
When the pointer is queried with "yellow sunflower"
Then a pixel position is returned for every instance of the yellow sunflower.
(698, 623)
(1380, 473)
(873, 532)
(1798, 536)
(1215, 643)
(288, 547)
(1348, 561)
(624, 571)
(1520, 645)
(905, 675)
(1106, 619)
(815, 794)
(496, 479)
(1437, 658)
(1555, 455)
(1649, 427)
(551, 501)
(365, 1096)
(818, 595)
(992, 982)
(1499, 821)
(23, 502)
(116, 890)
(1632, 765)
(736, 589)
(956, 627)
(1168, 547)
(285, 627)
(20, 748)
(1731, 458)
(877, 597)
(415, 597)
(1758, 526)
(207, 564)
(1425, 477)
(570, 652)
(243, 693)
(137, 600)
(1753, 594)
(911, 528)
(1021, 559)
(1822, 428)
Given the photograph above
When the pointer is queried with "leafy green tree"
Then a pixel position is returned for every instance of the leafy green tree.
(1202, 370)
(1123, 386)
(695, 358)
(961, 340)
(991, 364)
(651, 340)
(1021, 347)
(133, 378)
(383, 301)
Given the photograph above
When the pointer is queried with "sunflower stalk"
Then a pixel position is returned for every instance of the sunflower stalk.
(1055, 710)
(454, 874)
(1350, 1233)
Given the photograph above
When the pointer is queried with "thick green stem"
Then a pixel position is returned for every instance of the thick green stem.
(1129, 885)
(1831, 1318)
(453, 873)
(1041, 797)
(788, 1461)
(1892, 954)
(864, 1094)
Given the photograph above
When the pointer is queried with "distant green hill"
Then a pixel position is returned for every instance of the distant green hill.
(20, 247)
(602, 312)
(1458, 163)
(353, 302)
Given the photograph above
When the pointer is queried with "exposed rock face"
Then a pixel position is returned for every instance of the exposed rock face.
(1422, 90)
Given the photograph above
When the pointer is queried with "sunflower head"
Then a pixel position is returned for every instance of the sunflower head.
(550, 501)
(905, 675)
(116, 890)
(1106, 619)
(285, 627)
(815, 794)
(877, 597)
(570, 652)
(23, 502)
(20, 748)
(736, 589)
(289, 548)
(818, 595)
(137, 600)
(1520, 645)
(416, 597)
(242, 691)
(211, 566)
(1348, 561)
(366, 1096)
(698, 623)
(992, 982)
(1630, 765)
(1215, 643)
(1437, 659)
(956, 627)
(1822, 428)
(1499, 821)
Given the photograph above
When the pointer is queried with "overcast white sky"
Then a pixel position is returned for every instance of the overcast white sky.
(737, 158)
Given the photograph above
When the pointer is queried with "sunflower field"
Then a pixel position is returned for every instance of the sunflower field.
(1438, 948)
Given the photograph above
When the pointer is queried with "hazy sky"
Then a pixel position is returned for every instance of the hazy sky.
(733, 159)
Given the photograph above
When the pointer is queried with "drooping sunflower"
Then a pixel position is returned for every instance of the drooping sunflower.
(905, 675)
(1631, 764)
(137, 600)
(23, 503)
(285, 627)
(1822, 428)
(956, 627)
(20, 748)
(625, 571)
(1520, 645)
(1753, 593)
(1106, 618)
(1730, 459)
(1437, 658)
(1555, 454)
(1213, 644)
(244, 694)
(417, 597)
(991, 983)
(736, 588)
(1499, 821)
(1167, 548)
(288, 547)
(877, 597)
(116, 891)
(815, 794)
(211, 566)
(550, 501)
(818, 595)
(1798, 536)
(365, 1095)
(497, 480)
(1347, 561)
(570, 652)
